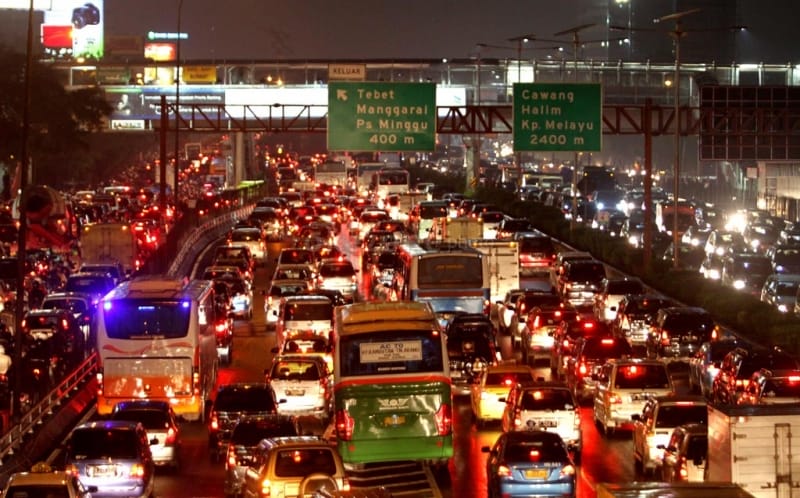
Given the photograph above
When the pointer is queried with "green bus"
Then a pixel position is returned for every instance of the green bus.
(392, 385)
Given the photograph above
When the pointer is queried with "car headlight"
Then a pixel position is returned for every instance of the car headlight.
(713, 274)
(783, 308)
(738, 284)
(720, 251)
(633, 240)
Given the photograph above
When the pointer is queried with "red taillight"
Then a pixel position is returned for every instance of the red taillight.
(683, 472)
(171, 435)
(231, 460)
(221, 328)
(582, 369)
(137, 470)
(665, 338)
(444, 420)
(214, 422)
(344, 425)
(99, 378)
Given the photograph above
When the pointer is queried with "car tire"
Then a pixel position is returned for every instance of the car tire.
(317, 483)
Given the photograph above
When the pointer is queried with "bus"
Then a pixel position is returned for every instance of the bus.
(451, 278)
(392, 389)
(390, 181)
(365, 172)
(156, 340)
(331, 172)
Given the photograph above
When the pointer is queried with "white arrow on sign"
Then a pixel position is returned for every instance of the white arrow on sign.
(341, 94)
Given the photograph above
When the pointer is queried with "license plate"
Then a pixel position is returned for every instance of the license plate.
(536, 474)
(294, 392)
(394, 420)
(102, 471)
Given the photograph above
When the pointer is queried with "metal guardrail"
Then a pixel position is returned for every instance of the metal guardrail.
(35, 417)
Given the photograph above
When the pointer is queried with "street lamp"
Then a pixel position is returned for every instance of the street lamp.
(177, 105)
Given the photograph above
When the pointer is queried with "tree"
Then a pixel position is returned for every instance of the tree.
(61, 120)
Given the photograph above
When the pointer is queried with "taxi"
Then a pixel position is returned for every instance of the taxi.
(488, 396)
(43, 481)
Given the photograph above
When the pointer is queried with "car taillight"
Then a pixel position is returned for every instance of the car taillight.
(665, 338)
(582, 369)
(231, 460)
(344, 425)
(214, 424)
(444, 420)
(137, 470)
(503, 471)
(221, 328)
(683, 472)
(567, 470)
(614, 399)
(99, 377)
(171, 434)
(71, 469)
(196, 381)
(266, 487)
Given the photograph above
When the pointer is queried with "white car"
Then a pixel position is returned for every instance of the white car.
(42, 481)
(338, 275)
(303, 385)
(253, 239)
(279, 289)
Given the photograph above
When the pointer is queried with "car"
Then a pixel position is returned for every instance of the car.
(42, 481)
(503, 311)
(562, 258)
(635, 315)
(306, 314)
(612, 290)
(566, 337)
(296, 256)
(110, 455)
(536, 253)
(528, 300)
(685, 454)
(235, 255)
(772, 387)
(95, 284)
(623, 387)
(58, 333)
(161, 424)
(253, 239)
(495, 383)
(471, 349)
(745, 272)
(659, 416)
(538, 337)
(491, 223)
(509, 226)
(737, 369)
(705, 363)
(222, 272)
(591, 353)
(79, 304)
(784, 259)
(721, 242)
(116, 270)
(295, 466)
(679, 331)
(529, 463)
(780, 291)
(580, 281)
(232, 402)
(303, 385)
(269, 219)
(241, 297)
(279, 289)
(244, 443)
(548, 406)
(340, 275)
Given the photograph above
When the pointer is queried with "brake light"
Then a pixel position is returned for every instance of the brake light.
(614, 399)
(683, 472)
(344, 425)
(221, 327)
(99, 377)
(171, 435)
(557, 314)
(588, 325)
(743, 383)
(214, 424)
(266, 488)
(582, 369)
(664, 338)
(794, 378)
(534, 455)
(196, 381)
(503, 471)
(607, 342)
(536, 322)
(567, 470)
(137, 470)
(231, 460)
(444, 420)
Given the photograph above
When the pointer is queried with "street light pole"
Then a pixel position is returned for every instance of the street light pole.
(177, 107)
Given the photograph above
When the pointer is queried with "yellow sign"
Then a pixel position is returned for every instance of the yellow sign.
(347, 72)
(199, 74)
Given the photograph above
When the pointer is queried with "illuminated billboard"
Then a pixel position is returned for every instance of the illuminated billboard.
(71, 28)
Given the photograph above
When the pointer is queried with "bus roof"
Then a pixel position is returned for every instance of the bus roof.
(374, 316)
(159, 287)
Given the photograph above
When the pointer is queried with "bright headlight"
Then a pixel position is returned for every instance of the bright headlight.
(738, 284)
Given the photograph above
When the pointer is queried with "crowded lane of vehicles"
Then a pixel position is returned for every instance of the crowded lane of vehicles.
(618, 384)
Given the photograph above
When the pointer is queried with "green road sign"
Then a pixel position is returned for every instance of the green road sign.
(364, 116)
(558, 117)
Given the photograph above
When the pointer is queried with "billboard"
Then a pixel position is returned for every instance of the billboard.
(134, 103)
(70, 28)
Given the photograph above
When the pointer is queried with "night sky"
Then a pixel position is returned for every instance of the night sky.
(383, 29)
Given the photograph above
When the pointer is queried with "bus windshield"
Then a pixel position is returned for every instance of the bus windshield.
(145, 319)
(450, 270)
(390, 352)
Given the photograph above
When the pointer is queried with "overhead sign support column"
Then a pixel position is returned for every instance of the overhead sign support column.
(380, 116)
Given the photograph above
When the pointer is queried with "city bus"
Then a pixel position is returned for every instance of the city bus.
(365, 174)
(390, 181)
(331, 172)
(156, 340)
(392, 388)
(451, 278)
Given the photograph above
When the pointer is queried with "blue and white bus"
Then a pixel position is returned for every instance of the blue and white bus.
(452, 279)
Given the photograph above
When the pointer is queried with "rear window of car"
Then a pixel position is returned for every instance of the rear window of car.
(245, 236)
(89, 284)
(492, 217)
(674, 415)
(604, 348)
(92, 444)
(507, 378)
(295, 257)
(303, 462)
(588, 271)
(535, 451)
(625, 287)
(295, 370)
(150, 419)
(684, 324)
(536, 244)
(244, 400)
(71, 305)
(641, 377)
(547, 400)
(251, 433)
(308, 311)
(336, 271)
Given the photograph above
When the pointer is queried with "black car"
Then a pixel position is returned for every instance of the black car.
(470, 347)
(232, 403)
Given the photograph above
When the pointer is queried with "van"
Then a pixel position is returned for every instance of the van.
(303, 314)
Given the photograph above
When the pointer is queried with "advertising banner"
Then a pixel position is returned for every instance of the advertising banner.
(144, 102)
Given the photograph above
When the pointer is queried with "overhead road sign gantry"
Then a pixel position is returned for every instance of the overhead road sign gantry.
(557, 117)
(381, 116)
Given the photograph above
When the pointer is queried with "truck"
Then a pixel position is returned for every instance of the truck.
(665, 212)
(503, 257)
(461, 229)
(672, 490)
(752, 446)
(110, 243)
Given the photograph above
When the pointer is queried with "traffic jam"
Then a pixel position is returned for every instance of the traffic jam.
(406, 323)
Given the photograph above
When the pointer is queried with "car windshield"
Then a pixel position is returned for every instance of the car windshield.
(547, 400)
(302, 462)
(670, 415)
(102, 443)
